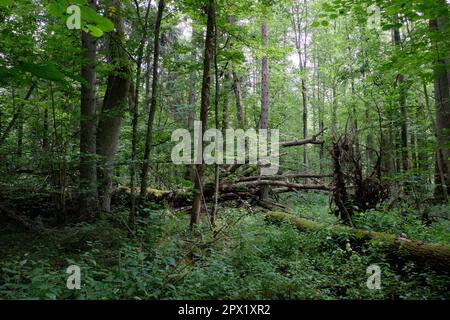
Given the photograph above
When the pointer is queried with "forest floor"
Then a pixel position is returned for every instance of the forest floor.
(248, 259)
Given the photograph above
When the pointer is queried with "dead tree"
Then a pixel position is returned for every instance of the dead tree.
(367, 192)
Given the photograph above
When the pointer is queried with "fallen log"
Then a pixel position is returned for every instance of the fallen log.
(294, 186)
(283, 177)
(434, 256)
(296, 143)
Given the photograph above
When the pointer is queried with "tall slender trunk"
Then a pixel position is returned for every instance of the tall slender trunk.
(442, 99)
(334, 112)
(45, 143)
(20, 123)
(369, 142)
(153, 103)
(135, 118)
(88, 167)
(301, 34)
(264, 119)
(217, 125)
(237, 88)
(204, 106)
(191, 101)
(114, 106)
(237, 85)
(320, 111)
(12, 122)
(403, 111)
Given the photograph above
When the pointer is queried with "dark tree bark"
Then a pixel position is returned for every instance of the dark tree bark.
(442, 97)
(226, 105)
(237, 88)
(45, 143)
(153, 106)
(204, 106)
(88, 196)
(20, 124)
(114, 107)
(11, 123)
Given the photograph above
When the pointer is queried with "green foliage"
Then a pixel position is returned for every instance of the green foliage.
(5, 3)
(406, 223)
(250, 260)
(47, 71)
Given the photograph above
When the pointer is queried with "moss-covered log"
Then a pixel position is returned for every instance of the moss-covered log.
(435, 256)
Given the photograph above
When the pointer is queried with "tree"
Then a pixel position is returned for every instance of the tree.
(439, 29)
(88, 165)
(152, 111)
(301, 39)
(264, 119)
(114, 107)
(403, 112)
(135, 111)
(204, 106)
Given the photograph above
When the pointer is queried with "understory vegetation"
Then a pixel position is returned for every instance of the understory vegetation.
(249, 259)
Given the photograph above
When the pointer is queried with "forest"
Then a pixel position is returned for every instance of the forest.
(224, 150)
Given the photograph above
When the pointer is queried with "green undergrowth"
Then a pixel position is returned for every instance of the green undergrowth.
(247, 259)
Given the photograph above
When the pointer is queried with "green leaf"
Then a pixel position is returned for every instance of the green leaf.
(4, 73)
(171, 261)
(315, 24)
(325, 23)
(5, 3)
(55, 9)
(91, 17)
(47, 71)
(94, 31)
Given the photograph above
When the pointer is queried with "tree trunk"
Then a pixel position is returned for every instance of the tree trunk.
(134, 100)
(264, 119)
(442, 98)
(403, 111)
(300, 44)
(88, 168)
(191, 101)
(20, 124)
(439, 164)
(204, 106)
(152, 112)
(226, 106)
(217, 124)
(11, 123)
(45, 143)
(237, 88)
(334, 112)
(114, 106)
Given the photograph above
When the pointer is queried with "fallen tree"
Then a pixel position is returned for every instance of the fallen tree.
(434, 256)
(256, 183)
(284, 177)
(297, 143)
